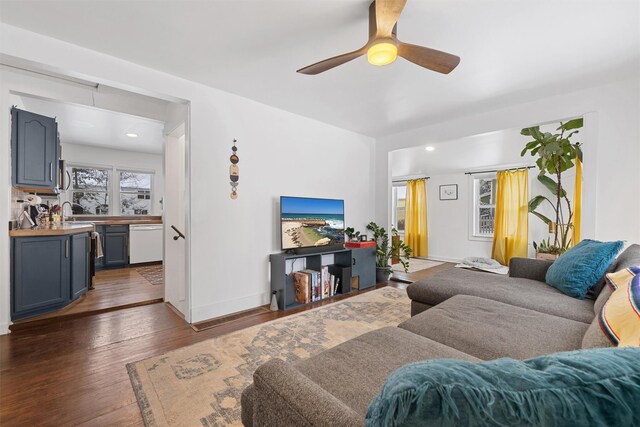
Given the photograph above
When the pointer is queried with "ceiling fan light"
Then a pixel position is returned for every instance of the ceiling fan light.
(382, 54)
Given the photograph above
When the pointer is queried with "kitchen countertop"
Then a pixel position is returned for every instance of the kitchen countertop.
(118, 220)
(53, 230)
(80, 224)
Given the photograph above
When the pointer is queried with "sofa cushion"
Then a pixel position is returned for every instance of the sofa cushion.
(525, 293)
(601, 300)
(620, 316)
(628, 258)
(595, 337)
(489, 329)
(595, 290)
(582, 266)
(355, 370)
(599, 387)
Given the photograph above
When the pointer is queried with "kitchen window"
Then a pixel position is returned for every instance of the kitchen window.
(90, 190)
(484, 205)
(135, 192)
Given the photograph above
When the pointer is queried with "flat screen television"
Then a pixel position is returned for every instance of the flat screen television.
(307, 223)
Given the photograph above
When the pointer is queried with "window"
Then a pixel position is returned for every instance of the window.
(398, 203)
(484, 205)
(135, 193)
(90, 191)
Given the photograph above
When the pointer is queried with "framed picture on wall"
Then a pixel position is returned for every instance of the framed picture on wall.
(449, 192)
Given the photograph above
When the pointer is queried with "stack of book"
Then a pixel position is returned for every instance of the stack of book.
(312, 285)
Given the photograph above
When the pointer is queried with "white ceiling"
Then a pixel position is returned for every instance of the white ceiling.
(511, 50)
(90, 126)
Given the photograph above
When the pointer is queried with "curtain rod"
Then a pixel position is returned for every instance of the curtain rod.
(497, 170)
(411, 179)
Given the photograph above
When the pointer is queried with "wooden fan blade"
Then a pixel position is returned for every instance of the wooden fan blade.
(387, 14)
(330, 63)
(432, 59)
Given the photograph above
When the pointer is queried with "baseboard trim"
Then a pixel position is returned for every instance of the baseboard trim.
(4, 328)
(444, 259)
(223, 308)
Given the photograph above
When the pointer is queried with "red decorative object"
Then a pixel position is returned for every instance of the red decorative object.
(360, 244)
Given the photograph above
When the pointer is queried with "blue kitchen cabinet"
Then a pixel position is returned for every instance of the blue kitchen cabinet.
(40, 275)
(34, 151)
(79, 264)
(115, 246)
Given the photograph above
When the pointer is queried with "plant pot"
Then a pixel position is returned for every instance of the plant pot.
(382, 275)
(546, 256)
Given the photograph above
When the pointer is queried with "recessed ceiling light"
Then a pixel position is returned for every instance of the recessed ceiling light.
(429, 148)
(131, 135)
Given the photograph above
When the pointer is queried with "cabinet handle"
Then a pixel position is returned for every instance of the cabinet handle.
(66, 248)
(50, 171)
(354, 261)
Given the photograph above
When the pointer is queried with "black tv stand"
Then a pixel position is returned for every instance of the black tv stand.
(347, 263)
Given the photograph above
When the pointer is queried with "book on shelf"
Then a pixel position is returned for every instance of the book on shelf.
(326, 282)
(314, 284)
(302, 287)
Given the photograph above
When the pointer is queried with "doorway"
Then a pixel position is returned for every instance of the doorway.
(121, 190)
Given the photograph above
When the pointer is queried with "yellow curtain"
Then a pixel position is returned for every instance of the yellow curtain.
(415, 229)
(511, 229)
(577, 204)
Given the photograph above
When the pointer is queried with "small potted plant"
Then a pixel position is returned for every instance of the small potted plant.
(352, 234)
(384, 251)
(545, 250)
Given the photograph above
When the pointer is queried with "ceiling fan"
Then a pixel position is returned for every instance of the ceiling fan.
(383, 46)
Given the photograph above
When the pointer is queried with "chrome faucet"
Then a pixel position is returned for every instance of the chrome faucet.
(62, 217)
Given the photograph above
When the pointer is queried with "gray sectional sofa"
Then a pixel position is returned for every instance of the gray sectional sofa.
(458, 314)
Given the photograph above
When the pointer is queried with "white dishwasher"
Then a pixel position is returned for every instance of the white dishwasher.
(145, 243)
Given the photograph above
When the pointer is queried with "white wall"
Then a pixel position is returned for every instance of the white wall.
(76, 154)
(450, 221)
(280, 153)
(611, 138)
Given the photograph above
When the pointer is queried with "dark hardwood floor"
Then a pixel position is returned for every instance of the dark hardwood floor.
(113, 289)
(71, 371)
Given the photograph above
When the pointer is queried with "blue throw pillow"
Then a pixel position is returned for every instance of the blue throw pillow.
(582, 266)
(599, 387)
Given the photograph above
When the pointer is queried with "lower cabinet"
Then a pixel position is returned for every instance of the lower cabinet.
(80, 245)
(47, 272)
(115, 246)
(364, 266)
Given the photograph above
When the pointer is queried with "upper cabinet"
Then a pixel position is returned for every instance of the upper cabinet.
(34, 151)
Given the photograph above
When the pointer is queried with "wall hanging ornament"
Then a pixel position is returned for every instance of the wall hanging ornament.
(234, 171)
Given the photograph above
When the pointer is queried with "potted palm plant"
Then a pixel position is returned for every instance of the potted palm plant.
(556, 154)
(384, 251)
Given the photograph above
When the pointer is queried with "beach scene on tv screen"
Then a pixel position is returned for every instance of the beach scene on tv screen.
(311, 222)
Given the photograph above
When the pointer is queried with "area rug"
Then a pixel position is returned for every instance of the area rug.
(201, 384)
(153, 274)
(415, 264)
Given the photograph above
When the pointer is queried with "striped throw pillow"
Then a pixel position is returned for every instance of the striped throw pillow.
(620, 316)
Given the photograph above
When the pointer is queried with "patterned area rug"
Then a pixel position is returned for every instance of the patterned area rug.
(154, 274)
(416, 264)
(201, 384)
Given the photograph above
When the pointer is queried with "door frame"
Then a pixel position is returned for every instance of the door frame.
(182, 130)
(44, 81)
